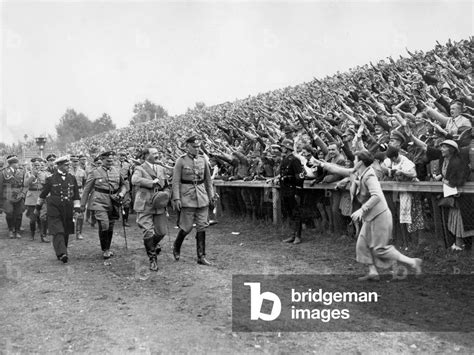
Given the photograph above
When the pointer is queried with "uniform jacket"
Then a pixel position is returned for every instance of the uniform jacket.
(143, 180)
(63, 196)
(34, 184)
(189, 169)
(12, 184)
(80, 175)
(366, 188)
(291, 172)
(100, 184)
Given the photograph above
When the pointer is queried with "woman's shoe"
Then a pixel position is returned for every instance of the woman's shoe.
(369, 277)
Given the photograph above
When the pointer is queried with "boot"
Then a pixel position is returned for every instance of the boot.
(150, 251)
(110, 234)
(33, 229)
(156, 243)
(177, 244)
(44, 230)
(290, 239)
(201, 249)
(103, 237)
(125, 217)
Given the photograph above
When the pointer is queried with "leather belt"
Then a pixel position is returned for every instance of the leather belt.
(31, 189)
(197, 182)
(104, 191)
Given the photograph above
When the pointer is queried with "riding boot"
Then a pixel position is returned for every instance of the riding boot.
(177, 244)
(150, 251)
(32, 229)
(201, 249)
(156, 243)
(126, 212)
(44, 231)
(103, 238)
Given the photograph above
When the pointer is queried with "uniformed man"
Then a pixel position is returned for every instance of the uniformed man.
(80, 175)
(291, 183)
(50, 165)
(34, 182)
(12, 195)
(83, 163)
(125, 168)
(192, 192)
(106, 189)
(63, 205)
(152, 197)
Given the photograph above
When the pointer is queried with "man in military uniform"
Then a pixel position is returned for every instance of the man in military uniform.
(81, 177)
(12, 195)
(50, 163)
(192, 193)
(291, 183)
(105, 189)
(125, 172)
(34, 181)
(63, 205)
(151, 182)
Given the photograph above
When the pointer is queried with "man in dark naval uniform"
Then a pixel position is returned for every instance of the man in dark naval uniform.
(106, 189)
(291, 183)
(192, 192)
(12, 195)
(63, 205)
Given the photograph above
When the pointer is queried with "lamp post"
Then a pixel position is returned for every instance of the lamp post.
(41, 142)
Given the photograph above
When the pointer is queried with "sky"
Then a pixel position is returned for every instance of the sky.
(105, 56)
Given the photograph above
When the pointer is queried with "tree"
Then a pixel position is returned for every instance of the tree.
(103, 124)
(73, 126)
(198, 106)
(147, 111)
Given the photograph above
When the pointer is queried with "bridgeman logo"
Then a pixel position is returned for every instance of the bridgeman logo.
(256, 303)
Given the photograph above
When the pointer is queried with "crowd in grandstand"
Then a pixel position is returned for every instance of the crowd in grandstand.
(400, 110)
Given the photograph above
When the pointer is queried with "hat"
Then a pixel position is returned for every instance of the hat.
(287, 143)
(451, 143)
(445, 86)
(34, 160)
(74, 158)
(276, 146)
(96, 159)
(11, 159)
(192, 140)
(107, 155)
(62, 160)
(398, 136)
(51, 156)
(160, 199)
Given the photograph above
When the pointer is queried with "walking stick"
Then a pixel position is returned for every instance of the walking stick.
(123, 225)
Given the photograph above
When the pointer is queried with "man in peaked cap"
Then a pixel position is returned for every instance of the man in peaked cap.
(105, 189)
(150, 181)
(63, 205)
(34, 181)
(291, 182)
(12, 194)
(50, 159)
(81, 177)
(192, 193)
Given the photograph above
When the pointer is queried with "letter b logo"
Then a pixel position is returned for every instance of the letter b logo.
(256, 302)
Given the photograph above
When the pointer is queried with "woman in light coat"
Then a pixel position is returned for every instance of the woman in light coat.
(373, 248)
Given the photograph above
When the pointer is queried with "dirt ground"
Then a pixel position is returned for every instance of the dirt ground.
(88, 306)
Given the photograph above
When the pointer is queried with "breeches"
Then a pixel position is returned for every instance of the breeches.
(152, 224)
(190, 215)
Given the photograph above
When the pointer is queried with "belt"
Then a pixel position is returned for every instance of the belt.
(31, 189)
(104, 191)
(196, 182)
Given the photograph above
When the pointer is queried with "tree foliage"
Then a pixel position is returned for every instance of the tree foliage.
(73, 126)
(103, 124)
(147, 111)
